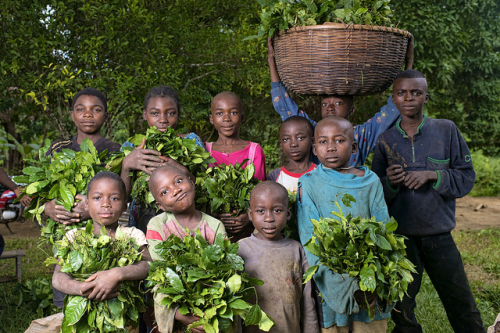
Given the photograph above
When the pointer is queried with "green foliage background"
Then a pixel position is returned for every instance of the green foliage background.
(51, 49)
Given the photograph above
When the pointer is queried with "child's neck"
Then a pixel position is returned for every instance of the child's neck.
(110, 229)
(229, 144)
(410, 124)
(94, 137)
(298, 166)
(188, 219)
(349, 170)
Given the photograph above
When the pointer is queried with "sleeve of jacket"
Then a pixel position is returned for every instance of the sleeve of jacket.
(458, 180)
(369, 132)
(337, 289)
(284, 104)
(379, 166)
(378, 207)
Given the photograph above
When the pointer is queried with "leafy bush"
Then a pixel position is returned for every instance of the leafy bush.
(487, 175)
(38, 294)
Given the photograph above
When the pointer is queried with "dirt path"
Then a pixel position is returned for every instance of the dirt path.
(467, 218)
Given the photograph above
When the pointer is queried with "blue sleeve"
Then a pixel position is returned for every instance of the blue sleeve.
(368, 133)
(458, 180)
(337, 289)
(284, 104)
(196, 138)
(126, 144)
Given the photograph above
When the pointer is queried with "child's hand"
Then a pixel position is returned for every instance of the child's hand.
(236, 224)
(142, 159)
(188, 320)
(102, 285)
(415, 179)
(26, 200)
(395, 174)
(59, 214)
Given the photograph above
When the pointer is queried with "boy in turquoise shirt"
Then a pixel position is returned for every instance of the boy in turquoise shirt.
(333, 145)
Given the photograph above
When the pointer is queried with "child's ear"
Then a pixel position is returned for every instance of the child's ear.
(145, 115)
(159, 206)
(106, 117)
(353, 109)
(314, 148)
(87, 204)
(354, 147)
(289, 214)
(249, 213)
(426, 98)
(211, 118)
(243, 117)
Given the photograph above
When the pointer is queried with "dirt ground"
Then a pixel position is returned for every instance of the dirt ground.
(468, 218)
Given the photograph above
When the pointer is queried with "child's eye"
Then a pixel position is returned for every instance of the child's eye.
(234, 113)
(170, 114)
(97, 110)
(179, 181)
(285, 139)
(218, 114)
(153, 113)
(322, 141)
(324, 104)
(401, 93)
(278, 210)
(96, 197)
(164, 192)
(300, 138)
(339, 140)
(338, 103)
(260, 211)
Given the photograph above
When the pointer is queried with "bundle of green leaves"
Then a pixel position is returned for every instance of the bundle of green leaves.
(365, 249)
(59, 176)
(280, 15)
(86, 255)
(169, 144)
(226, 187)
(207, 281)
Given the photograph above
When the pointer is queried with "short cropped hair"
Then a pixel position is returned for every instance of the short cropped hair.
(410, 74)
(298, 119)
(108, 175)
(91, 92)
(162, 91)
(270, 185)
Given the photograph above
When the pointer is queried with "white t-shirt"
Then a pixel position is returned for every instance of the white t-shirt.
(133, 232)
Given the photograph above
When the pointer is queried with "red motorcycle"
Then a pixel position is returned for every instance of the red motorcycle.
(10, 211)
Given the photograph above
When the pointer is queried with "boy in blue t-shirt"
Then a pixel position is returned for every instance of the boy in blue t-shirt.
(424, 165)
(333, 145)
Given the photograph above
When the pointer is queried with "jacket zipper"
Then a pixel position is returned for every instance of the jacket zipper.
(413, 150)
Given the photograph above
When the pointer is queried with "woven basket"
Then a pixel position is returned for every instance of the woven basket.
(339, 59)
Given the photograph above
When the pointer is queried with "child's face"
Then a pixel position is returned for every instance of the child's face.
(161, 112)
(174, 192)
(88, 114)
(269, 212)
(226, 116)
(106, 201)
(296, 140)
(336, 106)
(410, 95)
(334, 144)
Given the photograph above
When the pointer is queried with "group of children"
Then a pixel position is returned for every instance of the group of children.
(420, 166)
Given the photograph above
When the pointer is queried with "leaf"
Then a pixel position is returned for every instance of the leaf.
(253, 316)
(239, 304)
(76, 260)
(67, 197)
(383, 243)
(234, 283)
(392, 225)
(75, 308)
(347, 199)
(174, 280)
(266, 323)
(309, 273)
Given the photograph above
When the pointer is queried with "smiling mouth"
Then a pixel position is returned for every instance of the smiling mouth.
(181, 196)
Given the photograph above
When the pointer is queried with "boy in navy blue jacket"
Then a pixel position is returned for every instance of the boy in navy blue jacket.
(424, 164)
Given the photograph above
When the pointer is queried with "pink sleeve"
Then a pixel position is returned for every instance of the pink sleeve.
(260, 163)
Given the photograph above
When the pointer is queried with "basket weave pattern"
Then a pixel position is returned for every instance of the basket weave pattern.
(338, 59)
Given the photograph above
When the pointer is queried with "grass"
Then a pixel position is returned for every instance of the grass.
(480, 252)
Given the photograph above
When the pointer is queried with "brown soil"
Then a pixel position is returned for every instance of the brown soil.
(468, 218)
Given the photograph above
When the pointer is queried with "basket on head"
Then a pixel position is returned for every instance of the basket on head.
(340, 59)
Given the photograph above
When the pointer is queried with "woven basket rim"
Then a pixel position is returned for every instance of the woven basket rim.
(351, 26)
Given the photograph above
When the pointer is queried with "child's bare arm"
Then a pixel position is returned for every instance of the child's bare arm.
(270, 59)
(105, 284)
(63, 282)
